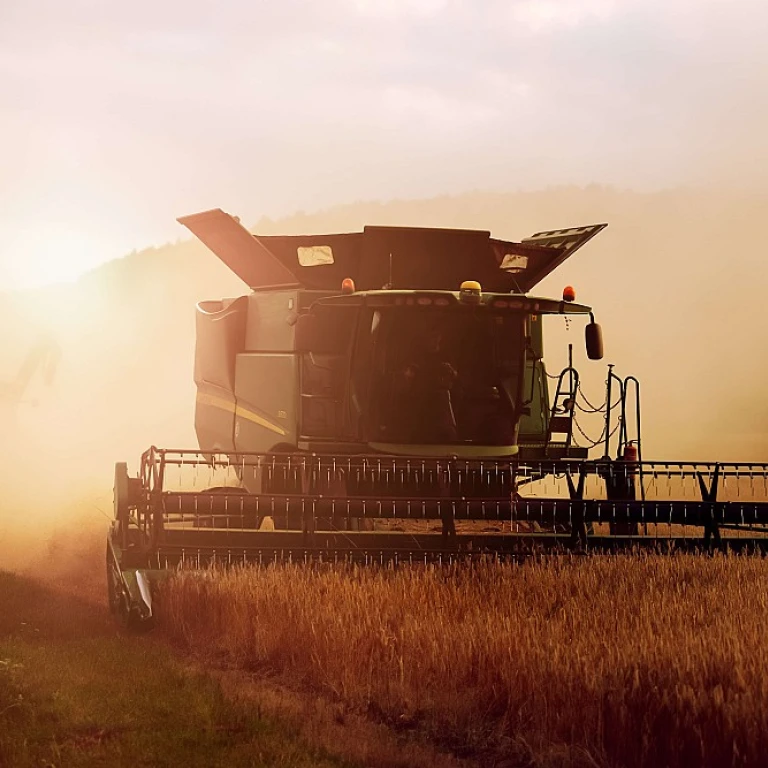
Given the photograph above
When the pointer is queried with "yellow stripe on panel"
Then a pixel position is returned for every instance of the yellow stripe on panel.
(217, 402)
(243, 413)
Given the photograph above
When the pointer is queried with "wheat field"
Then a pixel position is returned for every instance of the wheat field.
(627, 661)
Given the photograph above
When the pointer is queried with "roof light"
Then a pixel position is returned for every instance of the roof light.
(470, 292)
(569, 294)
(347, 285)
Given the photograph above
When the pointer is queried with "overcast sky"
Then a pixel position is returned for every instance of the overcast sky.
(116, 118)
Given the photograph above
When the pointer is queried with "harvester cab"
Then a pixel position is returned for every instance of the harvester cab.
(400, 341)
(382, 395)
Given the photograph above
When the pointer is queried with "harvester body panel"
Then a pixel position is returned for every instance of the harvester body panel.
(265, 393)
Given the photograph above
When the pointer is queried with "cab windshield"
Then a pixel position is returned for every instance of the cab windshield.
(445, 376)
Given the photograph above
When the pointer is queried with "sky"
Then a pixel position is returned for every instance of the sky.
(117, 118)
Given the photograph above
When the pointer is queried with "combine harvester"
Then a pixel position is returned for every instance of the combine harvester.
(382, 396)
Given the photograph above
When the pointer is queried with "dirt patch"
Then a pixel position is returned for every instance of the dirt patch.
(41, 612)
(331, 727)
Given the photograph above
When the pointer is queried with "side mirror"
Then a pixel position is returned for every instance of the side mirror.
(593, 335)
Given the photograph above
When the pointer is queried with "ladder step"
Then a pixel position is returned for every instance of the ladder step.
(560, 424)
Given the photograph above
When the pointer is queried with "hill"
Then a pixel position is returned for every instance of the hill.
(676, 281)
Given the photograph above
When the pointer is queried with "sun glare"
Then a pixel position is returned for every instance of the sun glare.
(43, 257)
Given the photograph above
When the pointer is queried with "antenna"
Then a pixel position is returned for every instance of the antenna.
(389, 285)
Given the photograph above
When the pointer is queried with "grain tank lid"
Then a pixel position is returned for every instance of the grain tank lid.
(397, 257)
(243, 253)
(552, 248)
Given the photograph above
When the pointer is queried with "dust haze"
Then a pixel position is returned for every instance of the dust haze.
(649, 116)
(676, 280)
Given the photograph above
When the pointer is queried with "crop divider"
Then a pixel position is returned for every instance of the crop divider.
(579, 537)
(712, 512)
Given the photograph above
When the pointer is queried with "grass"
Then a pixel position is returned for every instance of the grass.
(74, 692)
(626, 661)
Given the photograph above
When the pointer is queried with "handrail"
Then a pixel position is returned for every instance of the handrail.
(638, 431)
(573, 381)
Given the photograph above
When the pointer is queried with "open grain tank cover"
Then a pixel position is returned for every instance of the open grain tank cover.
(386, 257)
